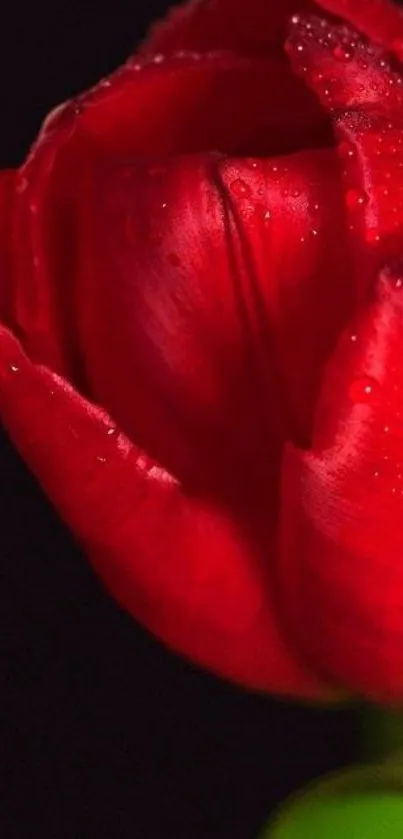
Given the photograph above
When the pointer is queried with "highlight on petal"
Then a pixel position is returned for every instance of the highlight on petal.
(340, 568)
(187, 570)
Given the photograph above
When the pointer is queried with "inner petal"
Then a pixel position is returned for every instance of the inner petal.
(209, 294)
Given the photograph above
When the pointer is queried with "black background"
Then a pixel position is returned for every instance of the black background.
(103, 732)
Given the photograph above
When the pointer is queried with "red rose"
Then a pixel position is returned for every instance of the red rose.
(201, 358)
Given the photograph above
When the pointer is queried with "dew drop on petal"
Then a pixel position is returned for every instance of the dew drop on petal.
(372, 236)
(341, 53)
(356, 198)
(346, 150)
(240, 188)
(362, 390)
(267, 216)
(393, 274)
(14, 368)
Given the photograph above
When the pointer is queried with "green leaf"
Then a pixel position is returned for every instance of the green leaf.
(363, 803)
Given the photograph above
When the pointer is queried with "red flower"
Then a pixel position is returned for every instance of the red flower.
(202, 352)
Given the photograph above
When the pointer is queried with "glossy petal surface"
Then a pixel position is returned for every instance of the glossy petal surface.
(341, 540)
(206, 317)
(379, 20)
(185, 568)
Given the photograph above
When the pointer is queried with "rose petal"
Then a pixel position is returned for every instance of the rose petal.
(209, 102)
(116, 117)
(204, 25)
(186, 570)
(364, 94)
(342, 68)
(196, 307)
(379, 20)
(340, 569)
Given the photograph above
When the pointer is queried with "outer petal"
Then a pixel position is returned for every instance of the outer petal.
(340, 567)
(342, 542)
(190, 573)
(204, 25)
(196, 104)
(364, 94)
(379, 20)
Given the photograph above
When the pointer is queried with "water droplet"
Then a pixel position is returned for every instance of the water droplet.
(111, 431)
(314, 231)
(376, 474)
(158, 58)
(14, 368)
(386, 429)
(363, 390)
(101, 459)
(164, 205)
(346, 150)
(393, 274)
(356, 198)
(267, 216)
(372, 236)
(174, 260)
(353, 338)
(342, 53)
(240, 188)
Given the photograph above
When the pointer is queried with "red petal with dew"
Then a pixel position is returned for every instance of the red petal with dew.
(254, 27)
(185, 569)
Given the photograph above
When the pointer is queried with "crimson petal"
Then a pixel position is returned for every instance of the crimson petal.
(341, 571)
(196, 303)
(379, 20)
(186, 570)
(364, 94)
(116, 118)
(256, 27)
